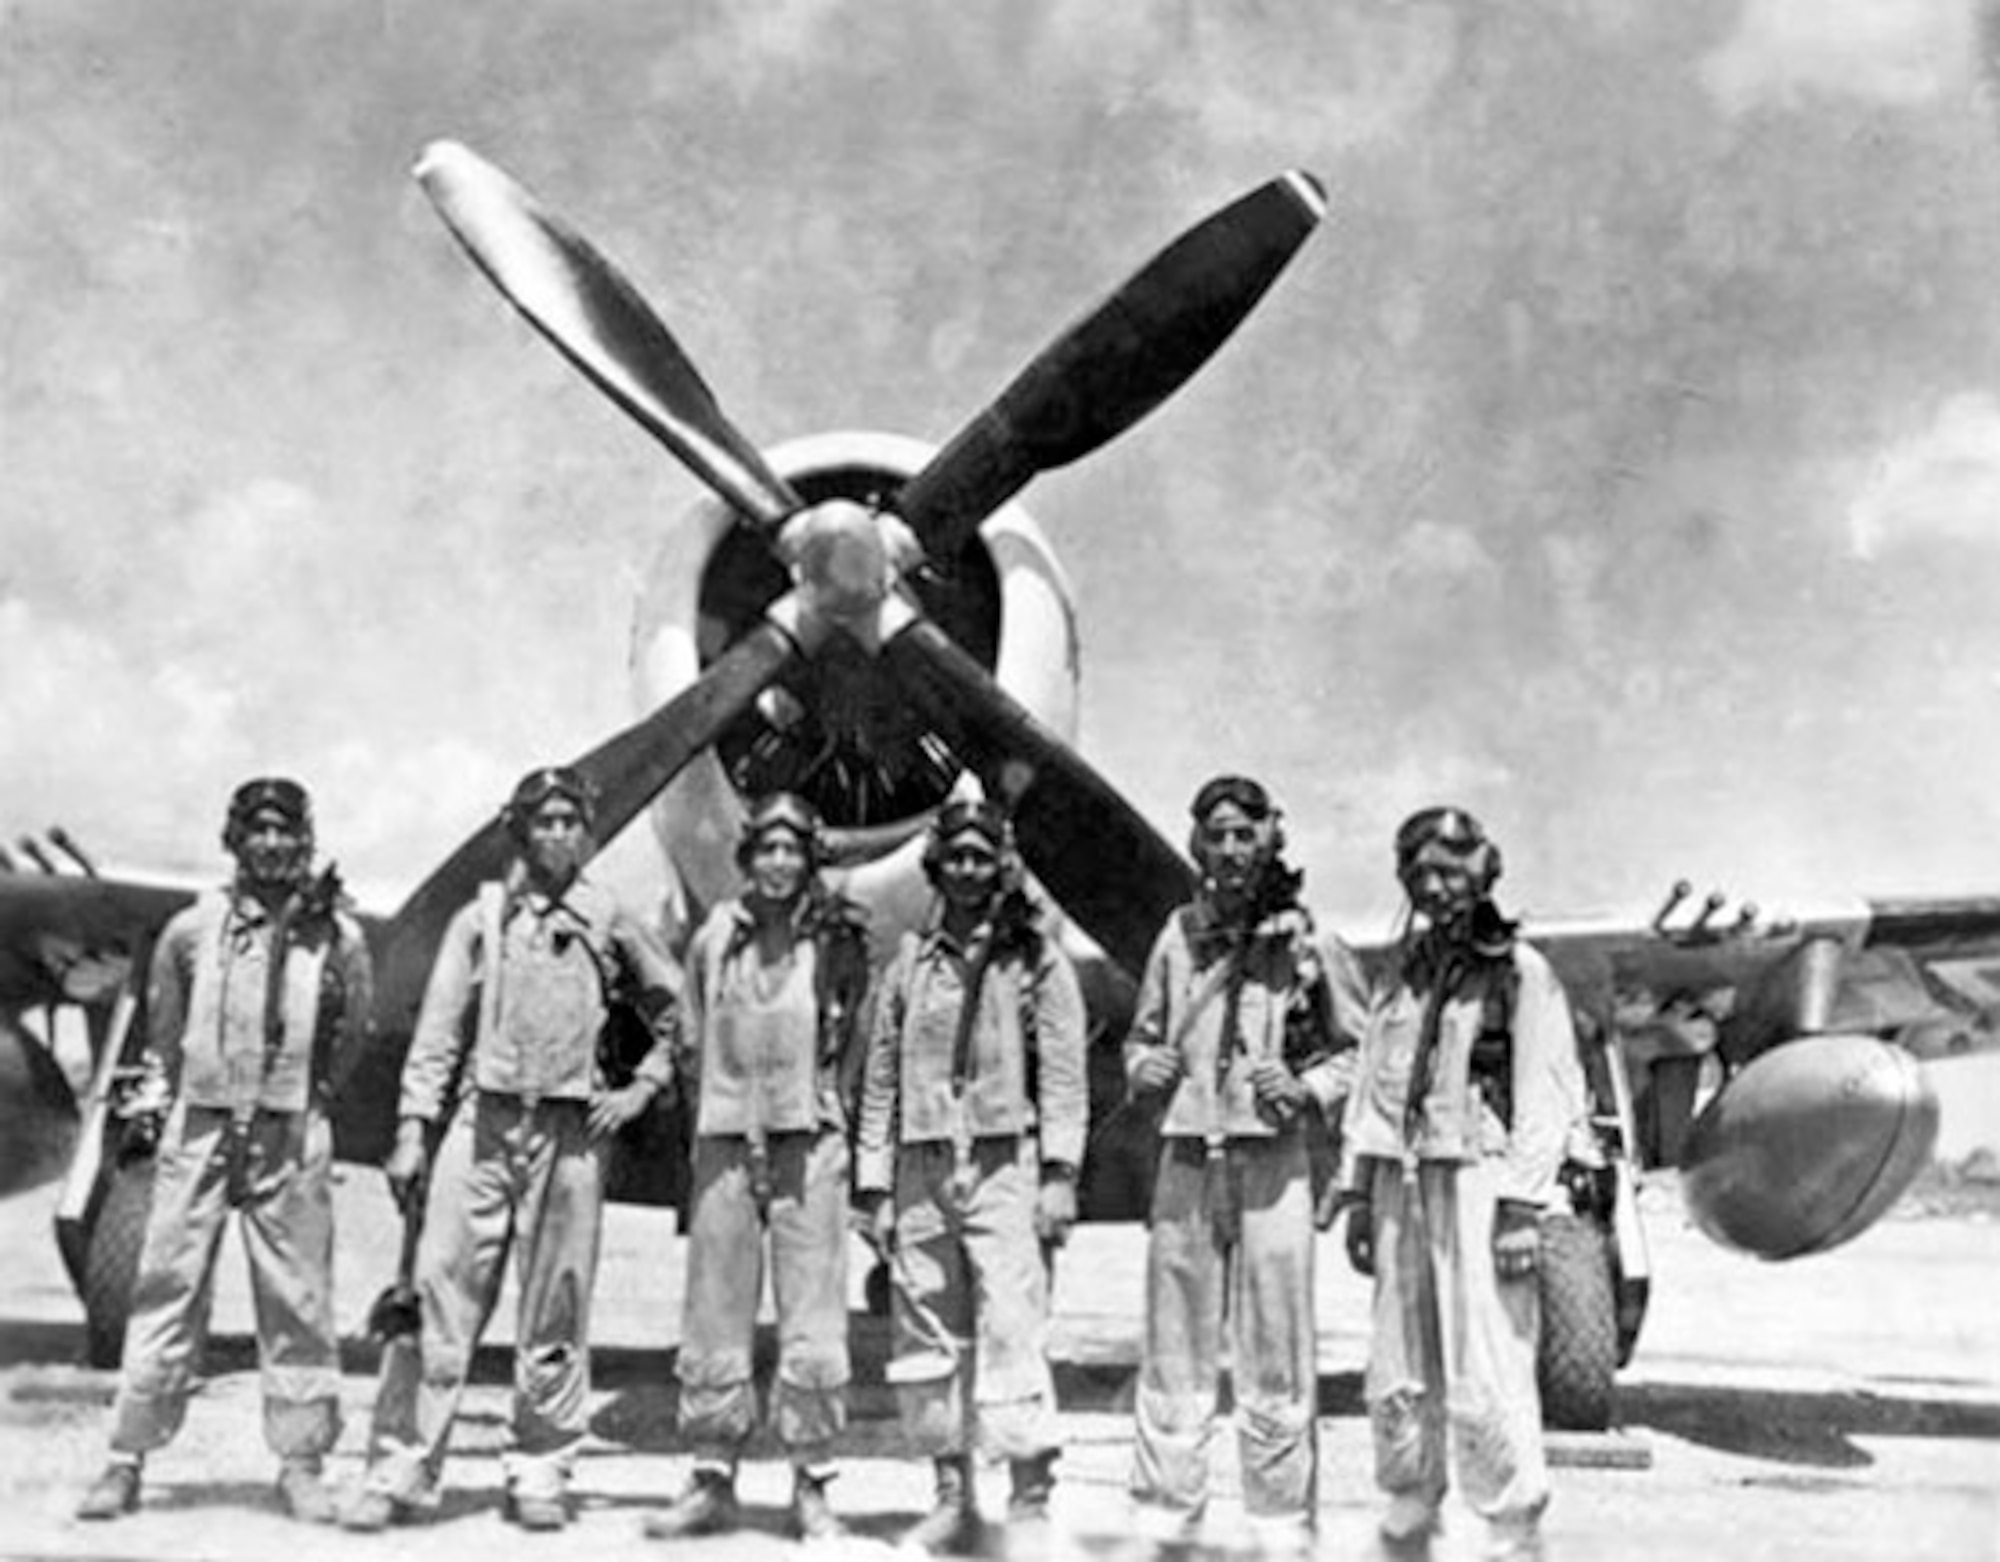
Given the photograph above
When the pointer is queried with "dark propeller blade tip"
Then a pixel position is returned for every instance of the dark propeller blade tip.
(1113, 366)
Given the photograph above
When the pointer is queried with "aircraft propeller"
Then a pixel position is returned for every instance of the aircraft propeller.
(628, 770)
(1116, 364)
(1098, 378)
(596, 319)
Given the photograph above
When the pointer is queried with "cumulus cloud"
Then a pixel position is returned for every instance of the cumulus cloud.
(136, 696)
(1439, 549)
(248, 544)
(1942, 482)
(1880, 51)
(409, 806)
(101, 735)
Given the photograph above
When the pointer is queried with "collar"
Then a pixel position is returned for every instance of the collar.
(1207, 932)
(246, 909)
(524, 897)
(743, 921)
(936, 940)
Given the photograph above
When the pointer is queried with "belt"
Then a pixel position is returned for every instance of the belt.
(980, 1144)
(1188, 1150)
(529, 1100)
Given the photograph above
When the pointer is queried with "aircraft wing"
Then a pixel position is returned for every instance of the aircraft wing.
(1777, 1064)
(65, 938)
(1877, 967)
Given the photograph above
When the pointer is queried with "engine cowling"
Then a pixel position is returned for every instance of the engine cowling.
(1808, 1145)
(839, 731)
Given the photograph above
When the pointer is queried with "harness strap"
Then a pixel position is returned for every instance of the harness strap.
(492, 934)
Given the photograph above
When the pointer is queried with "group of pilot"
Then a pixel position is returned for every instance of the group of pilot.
(941, 1107)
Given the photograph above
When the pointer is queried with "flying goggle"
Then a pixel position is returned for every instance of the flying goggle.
(1453, 835)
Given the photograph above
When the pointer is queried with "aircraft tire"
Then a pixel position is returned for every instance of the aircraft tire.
(111, 1259)
(1578, 1359)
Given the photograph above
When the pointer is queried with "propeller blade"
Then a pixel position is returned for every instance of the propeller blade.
(1116, 877)
(596, 319)
(1115, 365)
(629, 771)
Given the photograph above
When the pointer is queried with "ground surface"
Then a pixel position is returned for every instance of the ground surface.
(1841, 1407)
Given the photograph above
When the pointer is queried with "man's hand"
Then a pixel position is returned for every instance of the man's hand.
(1155, 1069)
(877, 1211)
(1279, 1091)
(409, 1163)
(1055, 1206)
(1517, 1239)
(1361, 1237)
(611, 1110)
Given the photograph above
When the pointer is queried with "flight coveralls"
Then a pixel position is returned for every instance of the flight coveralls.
(1453, 1343)
(525, 980)
(963, 1143)
(766, 1048)
(249, 1130)
(1231, 1224)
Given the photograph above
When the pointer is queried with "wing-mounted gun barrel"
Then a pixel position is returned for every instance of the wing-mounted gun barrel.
(1679, 892)
(62, 841)
(1704, 928)
(65, 843)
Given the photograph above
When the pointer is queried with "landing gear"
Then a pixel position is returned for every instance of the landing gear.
(1578, 1359)
(110, 1259)
(1595, 1272)
(108, 1191)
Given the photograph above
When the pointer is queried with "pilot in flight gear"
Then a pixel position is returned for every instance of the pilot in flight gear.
(973, 1113)
(1469, 1082)
(505, 1061)
(257, 1002)
(1245, 1025)
(775, 983)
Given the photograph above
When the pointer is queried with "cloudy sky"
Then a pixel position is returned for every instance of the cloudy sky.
(1621, 460)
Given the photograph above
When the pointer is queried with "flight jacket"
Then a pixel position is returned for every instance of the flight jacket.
(1184, 1004)
(532, 1009)
(206, 997)
(752, 1042)
(1025, 1057)
(1457, 1123)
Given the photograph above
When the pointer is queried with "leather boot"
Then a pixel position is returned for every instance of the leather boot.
(114, 1493)
(369, 1511)
(707, 1507)
(302, 1491)
(1033, 1481)
(1029, 1536)
(952, 1525)
(813, 1517)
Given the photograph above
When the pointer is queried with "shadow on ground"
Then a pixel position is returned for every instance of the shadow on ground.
(1817, 1429)
(1813, 1430)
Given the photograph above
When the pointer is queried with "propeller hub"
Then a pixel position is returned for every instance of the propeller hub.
(845, 559)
